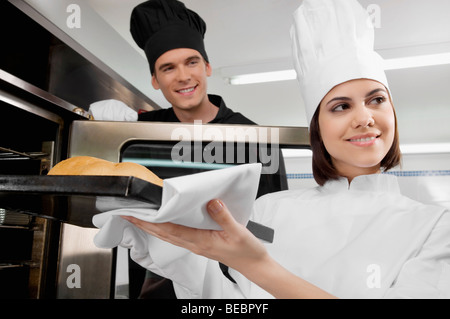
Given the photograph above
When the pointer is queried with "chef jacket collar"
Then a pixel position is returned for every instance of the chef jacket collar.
(380, 183)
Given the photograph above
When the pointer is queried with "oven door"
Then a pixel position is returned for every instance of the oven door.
(169, 150)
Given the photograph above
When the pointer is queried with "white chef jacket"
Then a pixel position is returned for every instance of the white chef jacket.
(363, 240)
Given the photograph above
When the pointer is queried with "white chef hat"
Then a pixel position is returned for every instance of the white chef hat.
(333, 42)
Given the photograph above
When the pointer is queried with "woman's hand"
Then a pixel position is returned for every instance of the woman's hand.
(234, 246)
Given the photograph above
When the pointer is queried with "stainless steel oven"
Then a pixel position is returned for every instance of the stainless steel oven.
(47, 248)
(159, 147)
(54, 235)
(45, 84)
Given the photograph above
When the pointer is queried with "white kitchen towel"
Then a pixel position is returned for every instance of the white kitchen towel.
(184, 202)
(112, 110)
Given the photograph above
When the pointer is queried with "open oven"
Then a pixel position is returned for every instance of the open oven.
(47, 248)
(32, 140)
(50, 237)
(161, 147)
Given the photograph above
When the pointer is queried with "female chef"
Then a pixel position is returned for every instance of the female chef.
(355, 235)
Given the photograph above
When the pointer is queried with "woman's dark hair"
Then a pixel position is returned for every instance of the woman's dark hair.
(322, 166)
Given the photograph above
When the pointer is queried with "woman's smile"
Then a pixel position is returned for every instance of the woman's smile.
(364, 140)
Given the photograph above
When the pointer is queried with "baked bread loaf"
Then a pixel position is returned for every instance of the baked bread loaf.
(87, 165)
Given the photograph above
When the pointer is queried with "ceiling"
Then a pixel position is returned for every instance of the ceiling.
(254, 35)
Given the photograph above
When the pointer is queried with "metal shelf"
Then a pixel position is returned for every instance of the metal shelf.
(9, 154)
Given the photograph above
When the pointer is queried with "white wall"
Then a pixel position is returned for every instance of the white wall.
(424, 177)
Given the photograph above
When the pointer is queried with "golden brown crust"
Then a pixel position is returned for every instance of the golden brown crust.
(87, 165)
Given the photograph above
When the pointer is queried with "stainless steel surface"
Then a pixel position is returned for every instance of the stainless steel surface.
(12, 154)
(47, 161)
(29, 88)
(27, 106)
(39, 257)
(105, 140)
(85, 271)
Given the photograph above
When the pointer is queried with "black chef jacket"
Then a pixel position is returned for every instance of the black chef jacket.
(225, 115)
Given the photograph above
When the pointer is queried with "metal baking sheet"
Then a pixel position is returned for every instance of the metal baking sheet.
(75, 199)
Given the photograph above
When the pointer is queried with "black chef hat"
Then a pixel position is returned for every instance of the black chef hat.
(158, 26)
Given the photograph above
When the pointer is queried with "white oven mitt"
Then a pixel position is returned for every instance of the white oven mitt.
(184, 202)
(112, 110)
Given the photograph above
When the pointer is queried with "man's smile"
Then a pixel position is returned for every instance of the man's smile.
(187, 91)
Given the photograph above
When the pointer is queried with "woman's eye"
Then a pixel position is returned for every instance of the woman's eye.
(378, 100)
(340, 108)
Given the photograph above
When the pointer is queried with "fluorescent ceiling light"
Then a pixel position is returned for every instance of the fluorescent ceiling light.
(390, 64)
(263, 77)
(417, 61)
(429, 148)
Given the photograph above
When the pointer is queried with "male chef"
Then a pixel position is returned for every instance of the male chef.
(172, 37)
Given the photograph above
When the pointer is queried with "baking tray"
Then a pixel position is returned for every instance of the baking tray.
(75, 199)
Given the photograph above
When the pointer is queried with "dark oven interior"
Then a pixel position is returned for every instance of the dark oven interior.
(45, 85)
(28, 254)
